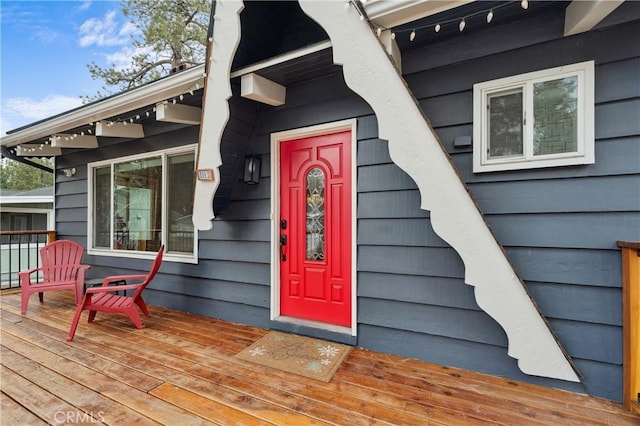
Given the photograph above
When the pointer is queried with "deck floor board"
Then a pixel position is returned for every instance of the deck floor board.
(180, 369)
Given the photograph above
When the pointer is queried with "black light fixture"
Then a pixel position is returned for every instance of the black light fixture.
(251, 174)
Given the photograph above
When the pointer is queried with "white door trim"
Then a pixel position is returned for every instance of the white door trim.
(276, 140)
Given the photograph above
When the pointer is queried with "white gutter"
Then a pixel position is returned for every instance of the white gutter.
(16, 199)
(140, 97)
(391, 13)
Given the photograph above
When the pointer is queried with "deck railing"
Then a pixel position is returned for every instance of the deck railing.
(631, 324)
(18, 252)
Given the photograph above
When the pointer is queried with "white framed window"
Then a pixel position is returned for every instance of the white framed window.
(538, 119)
(139, 202)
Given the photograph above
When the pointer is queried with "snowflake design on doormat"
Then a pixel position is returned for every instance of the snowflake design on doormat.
(328, 350)
(314, 366)
(325, 361)
(257, 351)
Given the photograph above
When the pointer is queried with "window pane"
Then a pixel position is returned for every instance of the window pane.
(101, 206)
(555, 113)
(138, 205)
(315, 214)
(505, 124)
(180, 191)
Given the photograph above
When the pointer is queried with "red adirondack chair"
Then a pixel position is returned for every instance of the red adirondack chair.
(102, 298)
(61, 270)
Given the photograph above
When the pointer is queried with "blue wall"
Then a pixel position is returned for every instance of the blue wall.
(559, 226)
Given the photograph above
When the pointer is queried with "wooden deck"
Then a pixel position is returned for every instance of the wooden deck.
(180, 370)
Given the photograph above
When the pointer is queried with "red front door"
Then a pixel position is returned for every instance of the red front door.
(315, 228)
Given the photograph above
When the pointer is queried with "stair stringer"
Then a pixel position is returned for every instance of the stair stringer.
(414, 147)
(215, 107)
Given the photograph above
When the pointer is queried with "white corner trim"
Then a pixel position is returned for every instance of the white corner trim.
(414, 147)
(215, 107)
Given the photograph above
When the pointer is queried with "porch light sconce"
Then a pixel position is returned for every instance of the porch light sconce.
(251, 175)
(69, 172)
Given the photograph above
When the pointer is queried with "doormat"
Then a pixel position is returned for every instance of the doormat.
(312, 358)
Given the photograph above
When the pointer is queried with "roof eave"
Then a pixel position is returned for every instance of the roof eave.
(389, 14)
(140, 97)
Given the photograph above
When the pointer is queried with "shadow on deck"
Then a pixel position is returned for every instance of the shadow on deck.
(180, 370)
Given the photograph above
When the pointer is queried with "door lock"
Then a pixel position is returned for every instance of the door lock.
(283, 242)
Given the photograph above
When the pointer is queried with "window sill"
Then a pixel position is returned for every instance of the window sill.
(526, 164)
(168, 256)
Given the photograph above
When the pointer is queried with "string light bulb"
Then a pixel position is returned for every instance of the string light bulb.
(393, 36)
(412, 36)
(379, 31)
(462, 25)
(437, 28)
(524, 4)
(490, 16)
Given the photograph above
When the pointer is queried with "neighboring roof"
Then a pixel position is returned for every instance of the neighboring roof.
(39, 195)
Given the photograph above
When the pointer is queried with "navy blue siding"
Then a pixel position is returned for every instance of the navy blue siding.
(558, 226)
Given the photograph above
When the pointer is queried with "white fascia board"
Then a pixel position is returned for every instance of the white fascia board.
(582, 16)
(34, 199)
(149, 94)
(390, 13)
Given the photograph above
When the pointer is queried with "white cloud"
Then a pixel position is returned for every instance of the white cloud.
(45, 35)
(122, 58)
(102, 32)
(128, 29)
(18, 112)
(84, 5)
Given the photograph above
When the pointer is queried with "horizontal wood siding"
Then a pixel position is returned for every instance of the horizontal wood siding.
(227, 275)
(560, 225)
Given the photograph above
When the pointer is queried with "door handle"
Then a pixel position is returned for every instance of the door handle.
(283, 242)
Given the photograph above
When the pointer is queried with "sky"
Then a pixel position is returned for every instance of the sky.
(45, 47)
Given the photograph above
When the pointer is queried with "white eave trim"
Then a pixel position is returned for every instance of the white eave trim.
(33, 199)
(280, 59)
(122, 103)
(389, 13)
(582, 16)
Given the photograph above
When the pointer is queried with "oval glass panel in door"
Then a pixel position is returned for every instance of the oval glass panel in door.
(315, 214)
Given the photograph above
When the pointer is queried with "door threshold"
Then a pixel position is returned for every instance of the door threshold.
(315, 329)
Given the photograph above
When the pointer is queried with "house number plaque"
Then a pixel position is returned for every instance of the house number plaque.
(205, 174)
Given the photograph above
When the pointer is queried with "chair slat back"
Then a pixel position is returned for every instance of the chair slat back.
(152, 273)
(57, 253)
